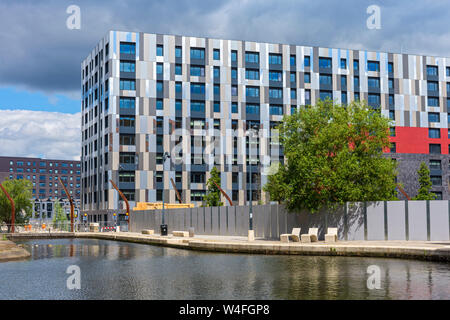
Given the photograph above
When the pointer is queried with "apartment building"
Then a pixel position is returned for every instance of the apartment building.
(214, 103)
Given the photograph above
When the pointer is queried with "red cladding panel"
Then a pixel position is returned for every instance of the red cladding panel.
(415, 140)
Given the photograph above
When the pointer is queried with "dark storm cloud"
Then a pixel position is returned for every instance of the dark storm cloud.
(39, 53)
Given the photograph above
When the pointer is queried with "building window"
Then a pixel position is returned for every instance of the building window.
(432, 86)
(197, 53)
(438, 194)
(275, 58)
(324, 95)
(307, 61)
(434, 133)
(356, 66)
(275, 93)
(436, 180)
(216, 106)
(159, 68)
(344, 97)
(276, 110)
(392, 131)
(178, 69)
(433, 117)
(391, 83)
(234, 107)
(159, 104)
(216, 72)
(307, 77)
(252, 57)
(124, 121)
(374, 100)
(127, 84)
(356, 83)
(127, 48)
(178, 87)
(308, 97)
(234, 90)
(293, 60)
(324, 62)
(127, 139)
(373, 66)
(197, 71)
(390, 67)
(343, 81)
(275, 76)
(217, 89)
(432, 70)
(159, 86)
(160, 50)
(343, 63)
(234, 73)
(233, 55)
(293, 93)
(216, 54)
(197, 88)
(252, 108)
(178, 52)
(325, 79)
(435, 148)
(197, 106)
(373, 82)
(392, 114)
(252, 92)
(127, 66)
(393, 148)
(252, 74)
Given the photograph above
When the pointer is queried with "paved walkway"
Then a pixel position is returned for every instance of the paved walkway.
(423, 250)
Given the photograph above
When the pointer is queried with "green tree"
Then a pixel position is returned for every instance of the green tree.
(212, 198)
(425, 184)
(20, 192)
(334, 154)
(59, 217)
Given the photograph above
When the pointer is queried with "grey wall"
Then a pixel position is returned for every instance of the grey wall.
(389, 220)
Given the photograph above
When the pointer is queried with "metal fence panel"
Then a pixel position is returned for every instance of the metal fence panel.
(396, 220)
(375, 220)
(439, 220)
(417, 220)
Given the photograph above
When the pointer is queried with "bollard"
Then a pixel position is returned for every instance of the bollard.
(191, 232)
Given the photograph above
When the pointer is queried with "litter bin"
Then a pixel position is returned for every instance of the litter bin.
(164, 229)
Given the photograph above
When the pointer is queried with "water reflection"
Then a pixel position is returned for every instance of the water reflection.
(113, 270)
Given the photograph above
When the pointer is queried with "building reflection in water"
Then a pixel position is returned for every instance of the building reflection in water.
(114, 270)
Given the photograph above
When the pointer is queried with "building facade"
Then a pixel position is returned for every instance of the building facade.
(46, 176)
(213, 103)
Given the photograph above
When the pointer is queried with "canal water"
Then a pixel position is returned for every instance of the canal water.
(120, 270)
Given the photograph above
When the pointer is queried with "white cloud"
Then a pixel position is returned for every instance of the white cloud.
(50, 135)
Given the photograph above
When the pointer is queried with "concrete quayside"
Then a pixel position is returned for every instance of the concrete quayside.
(420, 250)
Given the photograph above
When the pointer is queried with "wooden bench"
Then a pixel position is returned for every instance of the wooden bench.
(295, 235)
(184, 234)
(311, 236)
(148, 231)
(332, 235)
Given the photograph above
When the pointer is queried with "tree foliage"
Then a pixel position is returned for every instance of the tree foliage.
(20, 192)
(212, 198)
(425, 184)
(334, 154)
(59, 217)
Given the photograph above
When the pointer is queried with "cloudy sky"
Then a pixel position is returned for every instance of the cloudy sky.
(40, 57)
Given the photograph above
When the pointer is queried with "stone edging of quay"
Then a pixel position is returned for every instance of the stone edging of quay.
(10, 251)
(388, 249)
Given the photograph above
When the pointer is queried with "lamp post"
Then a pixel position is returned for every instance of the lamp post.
(163, 226)
(251, 233)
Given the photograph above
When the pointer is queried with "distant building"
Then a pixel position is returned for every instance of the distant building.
(45, 175)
